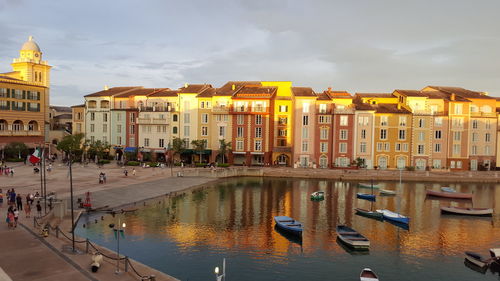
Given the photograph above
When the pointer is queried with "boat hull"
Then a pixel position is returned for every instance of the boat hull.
(454, 195)
(364, 185)
(368, 275)
(289, 225)
(352, 238)
(481, 212)
(387, 192)
(370, 214)
(395, 217)
(475, 259)
(369, 197)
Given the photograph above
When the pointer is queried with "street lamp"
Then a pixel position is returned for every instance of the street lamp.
(223, 275)
(119, 230)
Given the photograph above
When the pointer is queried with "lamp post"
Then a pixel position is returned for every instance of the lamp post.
(119, 230)
(222, 276)
(72, 207)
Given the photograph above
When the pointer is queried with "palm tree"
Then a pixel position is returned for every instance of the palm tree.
(199, 145)
(224, 147)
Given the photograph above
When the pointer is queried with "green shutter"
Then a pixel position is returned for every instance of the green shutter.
(24, 94)
(38, 107)
(38, 97)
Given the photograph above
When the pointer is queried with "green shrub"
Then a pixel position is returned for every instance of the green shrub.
(15, 159)
(200, 164)
(103, 161)
(133, 163)
(153, 164)
(410, 168)
(223, 165)
(177, 164)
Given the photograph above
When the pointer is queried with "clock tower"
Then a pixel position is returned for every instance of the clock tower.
(29, 66)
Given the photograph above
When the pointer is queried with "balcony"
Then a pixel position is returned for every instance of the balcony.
(249, 110)
(220, 109)
(157, 109)
(483, 114)
(282, 149)
(20, 133)
(427, 112)
(324, 111)
(343, 111)
(153, 121)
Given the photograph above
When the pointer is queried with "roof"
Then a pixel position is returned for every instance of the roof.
(137, 92)
(390, 108)
(250, 91)
(363, 106)
(303, 92)
(10, 78)
(374, 95)
(78, 105)
(63, 116)
(207, 93)
(464, 93)
(442, 95)
(60, 108)
(164, 93)
(111, 91)
(194, 88)
(30, 45)
(323, 96)
(410, 93)
(227, 89)
(338, 94)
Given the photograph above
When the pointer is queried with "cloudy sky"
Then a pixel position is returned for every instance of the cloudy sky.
(356, 45)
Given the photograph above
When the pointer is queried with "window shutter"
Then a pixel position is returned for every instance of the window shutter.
(38, 96)
(24, 94)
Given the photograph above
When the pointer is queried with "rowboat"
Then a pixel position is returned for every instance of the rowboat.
(365, 196)
(387, 192)
(447, 189)
(289, 225)
(395, 217)
(476, 259)
(318, 195)
(370, 214)
(455, 195)
(368, 275)
(484, 212)
(495, 252)
(352, 238)
(368, 185)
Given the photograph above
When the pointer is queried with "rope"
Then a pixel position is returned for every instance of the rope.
(109, 257)
(135, 271)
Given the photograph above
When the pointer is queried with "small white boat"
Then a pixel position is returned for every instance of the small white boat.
(368, 275)
(476, 259)
(447, 189)
(318, 195)
(352, 238)
(387, 192)
(495, 252)
(392, 216)
(484, 212)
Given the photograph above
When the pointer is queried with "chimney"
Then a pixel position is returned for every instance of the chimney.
(186, 85)
(452, 97)
(329, 89)
(106, 87)
(399, 106)
(233, 87)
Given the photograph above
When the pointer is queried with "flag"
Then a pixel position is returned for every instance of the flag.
(36, 156)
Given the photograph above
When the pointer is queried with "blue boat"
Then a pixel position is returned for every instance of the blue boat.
(395, 217)
(289, 225)
(365, 196)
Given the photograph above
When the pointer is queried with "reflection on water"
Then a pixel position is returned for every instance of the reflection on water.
(188, 235)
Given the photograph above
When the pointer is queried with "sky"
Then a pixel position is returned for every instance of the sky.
(353, 45)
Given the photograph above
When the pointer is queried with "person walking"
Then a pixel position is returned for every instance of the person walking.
(38, 209)
(27, 209)
(10, 219)
(19, 202)
(125, 172)
(12, 199)
(16, 217)
(133, 172)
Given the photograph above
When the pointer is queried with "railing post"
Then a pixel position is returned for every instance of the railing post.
(126, 263)
(86, 246)
(152, 277)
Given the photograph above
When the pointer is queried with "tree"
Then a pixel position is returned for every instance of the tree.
(99, 149)
(16, 149)
(224, 147)
(360, 162)
(199, 146)
(178, 146)
(72, 144)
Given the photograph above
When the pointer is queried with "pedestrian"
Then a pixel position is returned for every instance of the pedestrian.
(11, 172)
(104, 177)
(1, 196)
(27, 209)
(19, 202)
(10, 219)
(12, 199)
(133, 171)
(125, 172)
(16, 217)
(101, 180)
(38, 208)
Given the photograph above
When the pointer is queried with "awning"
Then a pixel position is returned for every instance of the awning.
(239, 152)
(117, 147)
(130, 149)
(145, 150)
(257, 153)
(159, 151)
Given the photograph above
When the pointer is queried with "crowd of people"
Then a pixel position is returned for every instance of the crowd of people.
(7, 171)
(16, 204)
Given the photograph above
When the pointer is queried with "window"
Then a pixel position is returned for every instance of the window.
(474, 124)
(92, 128)
(475, 136)
(175, 118)
(383, 121)
(363, 134)
(258, 119)
(161, 143)
(456, 149)
(257, 145)
(436, 163)
(402, 121)
(487, 150)
(258, 132)
(92, 139)
(282, 132)
(202, 104)
(146, 142)
(323, 147)
(204, 131)
(437, 147)
(438, 121)
(132, 129)
(305, 107)
(363, 120)
(239, 145)
(474, 150)
(105, 117)
(362, 147)
(383, 134)
(239, 132)
(119, 140)
(380, 146)
(187, 118)
(118, 116)
(459, 164)
(343, 120)
(420, 149)
(4, 93)
(222, 131)
(104, 128)
(488, 124)
(434, 109)
(421, 123)
(282, 120)
(457, 122)
(343, 134)
(452, 164)
(305, 132)
(458, 109)
(421, 136)
(457, 136)
(92, 116)
(281, 142)
(487, 137)
(405, 147)
(174, 130)
(204, 118)
(324, 119)
(305, 146)
(305, 120)
(240, 119)
(132, 117)
(207, 104)
(186, 131)
(283, 108)
(342, 147)
(397, 147)
(437, 135)
(387, 146)
(402, 134)
(323, 134)
(322, 108)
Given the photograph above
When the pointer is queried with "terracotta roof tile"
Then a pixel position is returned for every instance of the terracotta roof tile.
(112, 91)
(410, 93)
(227, 89)
(303, 92)
(464, 93)
(164, 93)
(255, 92)
(137, 92)
(207, 93)
(390, 108)
(194, 88)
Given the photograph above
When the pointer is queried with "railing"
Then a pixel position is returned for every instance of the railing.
(220, 109)
(161, 121)
(324, 111)
(157, 109)
(249, 109)
(343, 111)
(427, 112)
(483, 114)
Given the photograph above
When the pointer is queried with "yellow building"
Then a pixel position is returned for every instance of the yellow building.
(78, 124)
(24, 98)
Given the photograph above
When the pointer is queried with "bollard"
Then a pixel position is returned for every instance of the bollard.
(34, 221)
(126, 263)
(86, 246)
(57, 232)
(152, 277)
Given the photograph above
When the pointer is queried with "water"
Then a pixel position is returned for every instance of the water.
(187, 236)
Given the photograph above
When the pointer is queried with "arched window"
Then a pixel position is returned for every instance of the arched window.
(420, 164)
(382, 162)
(323, 161)
(175, 118)
(486, 109)
(174, 130)
(3, 125)
(32, 126)
(104, 104)
(401, 162)
(17, 125)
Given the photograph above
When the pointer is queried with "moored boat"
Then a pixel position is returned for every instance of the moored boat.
(476, 259)
(387, 192)
(365, 196)
(368, 213)
(485, 212)
(392, 216)
(368, 185)
(368, 275)
(352, 238)
(495, 252)
(447, 189)
(289, 225)
(455, 195)
(318, 195)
